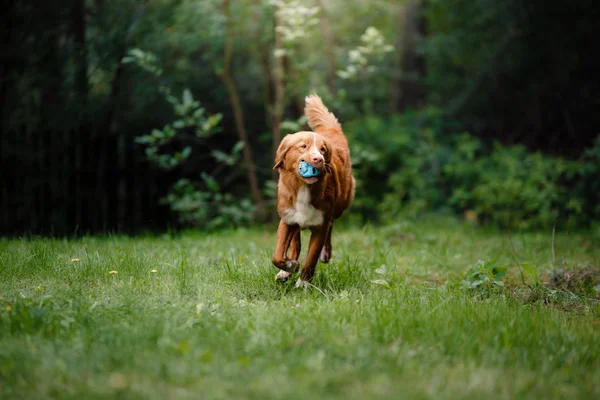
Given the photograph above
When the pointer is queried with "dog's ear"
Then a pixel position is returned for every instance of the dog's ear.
(327, 154)
(282, 150)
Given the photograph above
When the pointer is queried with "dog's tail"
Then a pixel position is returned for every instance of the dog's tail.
(319, 118)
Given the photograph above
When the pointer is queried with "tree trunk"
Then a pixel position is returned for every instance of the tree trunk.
(278, 106)
(81, 90)
(81, 80)
(238, 114)
(412, 92)
(396, 83)
(265, 63)
(329, 47)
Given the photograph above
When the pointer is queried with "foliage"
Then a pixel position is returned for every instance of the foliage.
(416, 162)
(482, 67)
(364, 58)
(397, 163)
(585, 182)
(297, 21)
(202, 203)
(485, 275)
(73, 107)
(511, 185)
(206, 205)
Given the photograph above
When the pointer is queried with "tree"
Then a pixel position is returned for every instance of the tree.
(410, 91)
(238, 113)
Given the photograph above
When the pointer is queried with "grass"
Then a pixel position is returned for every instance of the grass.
(388, 318)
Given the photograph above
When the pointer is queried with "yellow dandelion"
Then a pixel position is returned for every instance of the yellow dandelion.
(38, 287)
(8, 308)
(75, 259)
(154, 271)
(113, 272)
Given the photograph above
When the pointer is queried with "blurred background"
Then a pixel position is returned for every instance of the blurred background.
(146, 116)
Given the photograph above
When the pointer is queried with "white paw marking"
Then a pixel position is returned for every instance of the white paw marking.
(303, 213)
(301, 283)
(282, 275)
(324, 256)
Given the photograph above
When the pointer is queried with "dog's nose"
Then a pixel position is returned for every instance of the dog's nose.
(316, 159)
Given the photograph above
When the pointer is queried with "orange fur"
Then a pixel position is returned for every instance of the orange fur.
(318, 116)
(311, 203)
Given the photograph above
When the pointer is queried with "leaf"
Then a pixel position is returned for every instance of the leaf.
(222, 157)
(381, 282)
(343, 74)
(178, 124)
(486, 264)
(291, 126)
(150, 152)
(158, 133)
(144, 139)
(210, 182)
(214, 120)
(381, 270)
(172, 99)
(137, 53)
(474, 284)
(237, 148)
(185, 153)
(187, 97)
(169, 132)
(530, 272)
(198, 113)
(499, 272)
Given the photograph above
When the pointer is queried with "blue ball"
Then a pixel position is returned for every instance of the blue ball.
(307, 171)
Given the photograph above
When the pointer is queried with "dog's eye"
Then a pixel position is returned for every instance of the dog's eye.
(323, 149)
(303, 146)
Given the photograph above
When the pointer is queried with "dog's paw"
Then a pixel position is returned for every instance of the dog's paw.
(282, 276)
(300, 283)
(291, 266)
(325, 255)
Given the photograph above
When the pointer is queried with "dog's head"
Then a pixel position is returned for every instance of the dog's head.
(310, 147)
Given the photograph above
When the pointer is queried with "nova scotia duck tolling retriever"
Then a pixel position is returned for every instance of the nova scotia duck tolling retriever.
(315, 187)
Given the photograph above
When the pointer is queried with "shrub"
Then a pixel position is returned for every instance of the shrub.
(419, 162)
(512, 185)
(397, 163)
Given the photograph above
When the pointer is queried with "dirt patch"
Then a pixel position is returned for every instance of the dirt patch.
(580, 281)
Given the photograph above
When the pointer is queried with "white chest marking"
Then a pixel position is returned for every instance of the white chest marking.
(303, 213)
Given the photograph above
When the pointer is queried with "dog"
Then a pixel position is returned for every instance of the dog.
(312, 200)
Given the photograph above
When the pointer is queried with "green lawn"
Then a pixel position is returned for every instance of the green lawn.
(200, 316)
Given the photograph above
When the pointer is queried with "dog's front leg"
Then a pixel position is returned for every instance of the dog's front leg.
(317, 239)
(295, 247)
(285, 234)
(325, 255)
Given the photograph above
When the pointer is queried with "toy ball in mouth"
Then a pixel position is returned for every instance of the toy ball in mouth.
(307, 171)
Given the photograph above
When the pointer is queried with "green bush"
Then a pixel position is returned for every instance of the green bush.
(418, 162)
(586, 180)
(397, 163)
(509, 184)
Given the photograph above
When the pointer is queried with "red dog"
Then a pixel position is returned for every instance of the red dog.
(315, 202)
